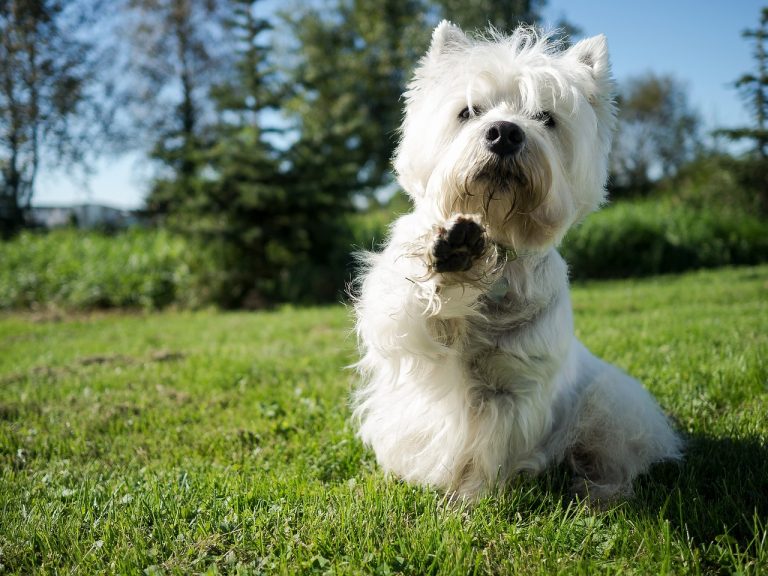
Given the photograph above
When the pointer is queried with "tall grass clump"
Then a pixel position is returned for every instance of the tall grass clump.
(83, 270)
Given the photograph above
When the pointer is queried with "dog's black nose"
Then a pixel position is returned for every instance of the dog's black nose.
(504, 138)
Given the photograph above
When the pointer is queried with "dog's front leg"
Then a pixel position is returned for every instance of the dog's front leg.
(430, 272)
(412, 309)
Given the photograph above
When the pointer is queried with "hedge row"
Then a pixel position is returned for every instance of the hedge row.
(155, 268)
(643, 238)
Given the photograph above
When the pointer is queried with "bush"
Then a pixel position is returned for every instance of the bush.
(647, 237)
(716, 180)
(76, 270)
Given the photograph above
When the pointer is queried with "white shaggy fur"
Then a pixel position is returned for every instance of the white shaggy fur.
(473, 375)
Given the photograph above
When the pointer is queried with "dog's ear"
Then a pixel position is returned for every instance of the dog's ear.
(593, 53)
(446, 37)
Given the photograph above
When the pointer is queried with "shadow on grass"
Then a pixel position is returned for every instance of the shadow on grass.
(717, 491)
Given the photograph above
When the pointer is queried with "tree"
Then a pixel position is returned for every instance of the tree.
(353, 59)
(657, 133)
(177, 51)
(242, 200)
(754, 89)
(49, 111)
(240, 195)
(751, 171)
(503, 15)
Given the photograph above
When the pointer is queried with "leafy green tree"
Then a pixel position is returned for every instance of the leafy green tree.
(349, 66)
(657, 135)
(49, 110)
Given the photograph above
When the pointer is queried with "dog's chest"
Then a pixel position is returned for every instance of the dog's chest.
(503, 351)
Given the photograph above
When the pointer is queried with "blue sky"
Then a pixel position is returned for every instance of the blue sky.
(697, 41)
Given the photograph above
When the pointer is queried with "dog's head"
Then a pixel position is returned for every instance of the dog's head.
(513, 128)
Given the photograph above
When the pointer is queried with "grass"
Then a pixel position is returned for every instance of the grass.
(220, 442)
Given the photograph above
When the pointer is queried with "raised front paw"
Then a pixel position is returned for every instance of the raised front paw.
(458, 245)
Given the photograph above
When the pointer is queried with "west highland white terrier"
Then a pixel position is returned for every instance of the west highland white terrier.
(471, 370)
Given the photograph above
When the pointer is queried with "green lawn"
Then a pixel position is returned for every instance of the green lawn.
(221, 442)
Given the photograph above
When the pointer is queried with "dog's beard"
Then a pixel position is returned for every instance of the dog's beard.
(509, 193)
(517, 185)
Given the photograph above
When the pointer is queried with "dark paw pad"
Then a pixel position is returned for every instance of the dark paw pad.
(457, 247)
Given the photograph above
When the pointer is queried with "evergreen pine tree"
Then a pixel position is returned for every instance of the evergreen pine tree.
(280, 232)
(753, 171)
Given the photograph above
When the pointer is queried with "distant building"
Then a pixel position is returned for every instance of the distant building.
(86, 216)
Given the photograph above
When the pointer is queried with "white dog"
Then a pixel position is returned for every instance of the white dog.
(471, 370)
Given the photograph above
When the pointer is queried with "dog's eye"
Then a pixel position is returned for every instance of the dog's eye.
(468, 113)
(546, 118)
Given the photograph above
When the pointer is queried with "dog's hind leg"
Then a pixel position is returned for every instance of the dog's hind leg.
(618, 431)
